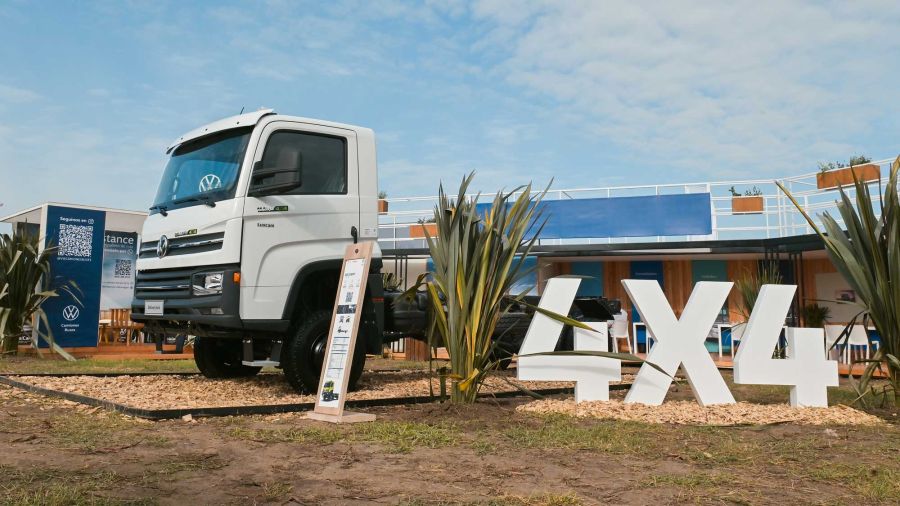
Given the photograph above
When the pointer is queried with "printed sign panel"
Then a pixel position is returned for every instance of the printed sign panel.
(344, 327)
(78, 236)
(340, 353)
(117, 282)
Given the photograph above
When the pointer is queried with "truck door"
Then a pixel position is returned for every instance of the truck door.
(311, 222)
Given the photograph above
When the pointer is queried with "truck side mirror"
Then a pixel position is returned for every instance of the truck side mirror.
(283, 177)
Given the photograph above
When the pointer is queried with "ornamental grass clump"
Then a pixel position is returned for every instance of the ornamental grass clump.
(25, 285)
(867, 254)
(477, 260)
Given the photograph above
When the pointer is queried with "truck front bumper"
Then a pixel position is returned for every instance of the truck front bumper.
(184, 312)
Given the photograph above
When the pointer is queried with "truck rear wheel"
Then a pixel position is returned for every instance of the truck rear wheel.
(305, 351)
(221, 358)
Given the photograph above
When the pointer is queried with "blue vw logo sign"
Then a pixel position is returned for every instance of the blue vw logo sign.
(162, 247)
(70, 313)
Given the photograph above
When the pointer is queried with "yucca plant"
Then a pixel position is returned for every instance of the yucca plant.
(815, 316)
(478, 258)
(749, 285)
(867, 254)
(391, 281)
(25, 284)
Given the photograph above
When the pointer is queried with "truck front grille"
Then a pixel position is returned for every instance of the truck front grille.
(163, 284)
(185, 245)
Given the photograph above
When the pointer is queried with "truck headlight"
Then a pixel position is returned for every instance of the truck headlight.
(207, 283)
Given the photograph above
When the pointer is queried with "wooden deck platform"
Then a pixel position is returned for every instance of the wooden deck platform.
(118, 351)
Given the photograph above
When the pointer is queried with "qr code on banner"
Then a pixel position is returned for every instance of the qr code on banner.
(75, 240)
(123, 268)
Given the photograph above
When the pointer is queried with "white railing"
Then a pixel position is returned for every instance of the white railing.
(778, 218)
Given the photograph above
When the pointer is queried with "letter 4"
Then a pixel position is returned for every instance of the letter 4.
(805, 370)
(679, 342)
(592, 374)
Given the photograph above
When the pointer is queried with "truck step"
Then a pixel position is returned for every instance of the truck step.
(261, 363)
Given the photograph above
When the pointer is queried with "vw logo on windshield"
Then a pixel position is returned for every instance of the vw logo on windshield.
(70, 313)
(210, 182)
(162, 247)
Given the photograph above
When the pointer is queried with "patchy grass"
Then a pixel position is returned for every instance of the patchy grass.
(37, 365)
(690, 480)
(100, 432)
(396, 437)
(304, 434)
(505, 500)
(186, 463)
(276, 491)
(879, 484)
(402, 437)
(50, 486)
(602, 435)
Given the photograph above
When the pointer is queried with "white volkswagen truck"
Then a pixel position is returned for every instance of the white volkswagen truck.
(245, 239)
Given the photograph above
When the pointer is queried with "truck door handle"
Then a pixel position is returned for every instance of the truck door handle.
(355, 234)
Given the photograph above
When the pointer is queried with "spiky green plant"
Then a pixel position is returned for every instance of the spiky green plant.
(815, 316)
(25, 284)
(749, 285)
(477, 260)
(867, 253)
(391, 281)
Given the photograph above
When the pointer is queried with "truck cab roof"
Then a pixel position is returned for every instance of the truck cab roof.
(251, 119)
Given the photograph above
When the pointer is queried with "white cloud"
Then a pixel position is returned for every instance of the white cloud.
(13, 95)
(714, 86)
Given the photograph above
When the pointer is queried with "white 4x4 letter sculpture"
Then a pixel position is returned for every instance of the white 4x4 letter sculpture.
(679, 342)
(591, 374)
(806, 370)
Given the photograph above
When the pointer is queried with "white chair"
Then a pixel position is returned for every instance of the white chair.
(737, 333)
(858, 338)
(619, 330)
(832, 334)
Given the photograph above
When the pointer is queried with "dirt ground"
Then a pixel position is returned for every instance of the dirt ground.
(56, 452)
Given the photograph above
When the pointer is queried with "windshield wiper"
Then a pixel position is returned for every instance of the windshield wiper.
(206, 199)
(160, 208)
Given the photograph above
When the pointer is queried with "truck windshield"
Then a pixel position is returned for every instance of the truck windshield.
(202, 171)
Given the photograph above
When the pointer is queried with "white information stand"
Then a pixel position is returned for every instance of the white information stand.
(344, 327)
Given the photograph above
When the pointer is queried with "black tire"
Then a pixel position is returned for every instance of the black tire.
(221, 358)
(305, 351)
(508, 337)
(503, 356)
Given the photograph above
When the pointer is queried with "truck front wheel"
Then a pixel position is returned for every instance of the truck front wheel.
(221, 358)
(305, 352)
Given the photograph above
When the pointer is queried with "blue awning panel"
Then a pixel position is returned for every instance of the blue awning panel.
(646, 216)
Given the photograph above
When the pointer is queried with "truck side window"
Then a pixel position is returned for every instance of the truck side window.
(323, 157)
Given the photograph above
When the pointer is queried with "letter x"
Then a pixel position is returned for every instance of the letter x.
(679, 342)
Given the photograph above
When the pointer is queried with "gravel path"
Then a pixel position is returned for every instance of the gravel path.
(171, 392)
(691, 413)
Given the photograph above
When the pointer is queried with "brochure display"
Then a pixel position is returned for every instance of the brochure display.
(342, 335)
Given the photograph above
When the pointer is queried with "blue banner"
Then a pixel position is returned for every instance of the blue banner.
(650, 216)
(78, 236)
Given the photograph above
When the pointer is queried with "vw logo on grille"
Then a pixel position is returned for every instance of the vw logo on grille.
(210, 182)
(70, 313)
(162, 247)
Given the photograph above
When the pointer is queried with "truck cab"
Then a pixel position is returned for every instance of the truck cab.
(245, 240)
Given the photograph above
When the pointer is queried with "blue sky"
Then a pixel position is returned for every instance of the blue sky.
(590, 93)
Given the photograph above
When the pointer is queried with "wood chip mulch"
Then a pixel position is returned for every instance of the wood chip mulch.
(174, 392)
(691, 413)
